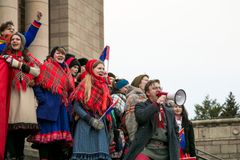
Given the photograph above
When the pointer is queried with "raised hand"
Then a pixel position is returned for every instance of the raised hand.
(39, 16)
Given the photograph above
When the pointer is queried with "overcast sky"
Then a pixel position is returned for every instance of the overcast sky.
(188, 44)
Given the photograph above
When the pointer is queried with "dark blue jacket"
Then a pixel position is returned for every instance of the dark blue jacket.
(48, 104)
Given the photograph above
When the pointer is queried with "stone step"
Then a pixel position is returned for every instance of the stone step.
(30, 154)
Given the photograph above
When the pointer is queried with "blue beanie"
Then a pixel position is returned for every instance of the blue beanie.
(121, 83)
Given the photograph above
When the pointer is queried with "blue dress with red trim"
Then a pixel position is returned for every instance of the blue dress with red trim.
(52, 118)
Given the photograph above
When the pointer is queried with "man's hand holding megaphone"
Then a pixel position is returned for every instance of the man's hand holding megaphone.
(161, 99)
(178, 97)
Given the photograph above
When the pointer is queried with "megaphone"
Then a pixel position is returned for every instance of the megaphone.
(179, 97)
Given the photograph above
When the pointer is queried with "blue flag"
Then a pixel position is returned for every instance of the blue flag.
(109, 109)
(105, 54)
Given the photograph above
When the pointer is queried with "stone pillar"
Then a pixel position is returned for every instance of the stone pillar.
(40, 46)
(9, 11)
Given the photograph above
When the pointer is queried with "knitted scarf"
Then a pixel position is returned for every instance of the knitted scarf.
(56, 78)
(100, 97)
(5, 39)
(21, 80)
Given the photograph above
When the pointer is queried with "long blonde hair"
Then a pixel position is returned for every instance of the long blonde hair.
(88, 83)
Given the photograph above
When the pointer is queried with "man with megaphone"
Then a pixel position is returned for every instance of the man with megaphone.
(157, 134)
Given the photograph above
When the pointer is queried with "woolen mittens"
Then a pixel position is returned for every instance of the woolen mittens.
(95, 123)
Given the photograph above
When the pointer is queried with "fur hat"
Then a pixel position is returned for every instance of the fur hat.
(69, 55)
(83, 61)
(74, 62)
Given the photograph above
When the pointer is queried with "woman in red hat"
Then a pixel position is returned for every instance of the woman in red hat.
(91, 101)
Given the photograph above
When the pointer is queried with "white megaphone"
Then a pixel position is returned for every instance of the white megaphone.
(179, 97)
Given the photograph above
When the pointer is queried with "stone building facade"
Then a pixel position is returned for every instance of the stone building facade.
(75, 24)
(220, 137)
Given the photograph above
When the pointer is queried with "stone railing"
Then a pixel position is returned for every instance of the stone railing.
(220, 137)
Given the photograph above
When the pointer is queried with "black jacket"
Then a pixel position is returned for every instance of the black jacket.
(144, 113)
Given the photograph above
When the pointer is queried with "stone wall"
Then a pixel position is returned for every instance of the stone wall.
(220, 137)
(78, 26)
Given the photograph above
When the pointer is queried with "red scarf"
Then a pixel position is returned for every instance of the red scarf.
(21, 80)
(55, 78)
(160, 122)
(100, 97)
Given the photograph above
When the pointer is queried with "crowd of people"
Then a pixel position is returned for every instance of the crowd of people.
(70, 108)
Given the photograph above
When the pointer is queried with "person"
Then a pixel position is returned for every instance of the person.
(187, 144)
(117, 140)
(53, 86)
(83, 61)
(22, 114)
(91, 99)
(135, 95)
(156, 136)
(111, 80)
(74, 66)
(7, 29)
(112, 77)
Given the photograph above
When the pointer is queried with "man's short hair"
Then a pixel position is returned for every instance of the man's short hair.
(5, 25)
(150, 83)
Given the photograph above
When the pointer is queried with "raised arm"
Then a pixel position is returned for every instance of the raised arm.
(32, 31)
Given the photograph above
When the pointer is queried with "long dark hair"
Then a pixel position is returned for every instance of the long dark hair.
(184, 115)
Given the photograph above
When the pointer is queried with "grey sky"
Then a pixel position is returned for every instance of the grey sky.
(188, 44)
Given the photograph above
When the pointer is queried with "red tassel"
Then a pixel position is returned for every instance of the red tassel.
(24, 86)
(18, 85)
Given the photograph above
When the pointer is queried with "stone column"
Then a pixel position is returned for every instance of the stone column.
(40, 46)
(9, 11)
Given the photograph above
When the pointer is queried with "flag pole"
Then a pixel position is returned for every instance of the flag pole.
(109, 108)
(107, 66)
(108, 54)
